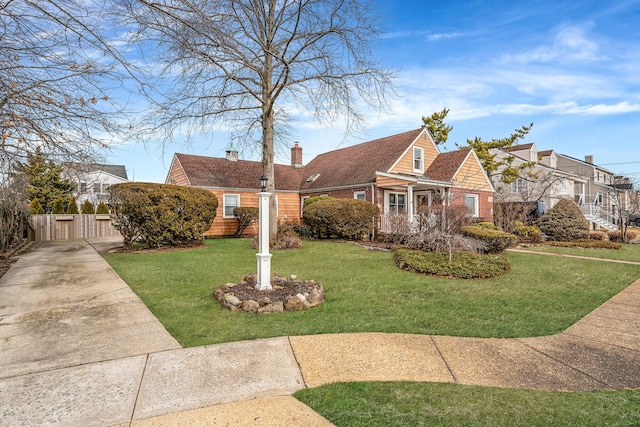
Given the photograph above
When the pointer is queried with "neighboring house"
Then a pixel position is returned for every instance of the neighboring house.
(601, 202)
(540, 185)
(93, 181)
(399, 173)
(601, 196)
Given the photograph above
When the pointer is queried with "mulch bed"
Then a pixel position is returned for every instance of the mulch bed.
(282, 288)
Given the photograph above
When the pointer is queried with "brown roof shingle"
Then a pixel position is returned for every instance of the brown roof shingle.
(446, 165)
(205, 171)
(357, 164)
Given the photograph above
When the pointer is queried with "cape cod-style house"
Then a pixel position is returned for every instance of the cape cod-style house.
(399, 173)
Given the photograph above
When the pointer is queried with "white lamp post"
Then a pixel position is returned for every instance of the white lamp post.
(264, 257)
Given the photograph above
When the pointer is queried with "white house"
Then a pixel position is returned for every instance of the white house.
(93, 181)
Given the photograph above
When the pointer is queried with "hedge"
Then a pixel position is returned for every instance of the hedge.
(495, 241)
(161, 214)
(463, 265)
(348, 219)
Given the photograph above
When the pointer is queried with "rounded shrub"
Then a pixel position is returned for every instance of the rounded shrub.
(616, 236)
(461, 265)
(313, 199)
(245, 216)
(161, 214)
(348, 219)
(564, 222)
(525, 233)
(495, 241)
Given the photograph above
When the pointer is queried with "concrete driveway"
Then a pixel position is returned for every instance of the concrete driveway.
(62, 305)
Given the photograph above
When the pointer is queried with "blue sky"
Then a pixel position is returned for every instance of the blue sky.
(570, 67)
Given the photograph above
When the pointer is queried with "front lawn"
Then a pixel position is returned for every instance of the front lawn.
(432, 404)
(628, 252)
(366, 292)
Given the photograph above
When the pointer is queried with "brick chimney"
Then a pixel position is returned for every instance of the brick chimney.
(296, 155)
(588, 158)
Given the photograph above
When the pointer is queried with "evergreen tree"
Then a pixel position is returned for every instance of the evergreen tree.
(436, 126)
(102, 209)
(87, 208)
(45, 180)
(58, 206)
(36, 207)
(72, 207)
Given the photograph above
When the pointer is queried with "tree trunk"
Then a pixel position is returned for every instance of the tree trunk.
(269, 171)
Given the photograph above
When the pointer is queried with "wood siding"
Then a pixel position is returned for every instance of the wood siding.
(176, 173)
(288, 209)
(471, 176)
(68, 227)
(405, 164)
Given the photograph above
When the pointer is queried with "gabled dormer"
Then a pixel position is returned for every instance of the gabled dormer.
(417, 157)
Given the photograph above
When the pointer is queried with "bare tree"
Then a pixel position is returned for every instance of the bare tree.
(248, 64)
(54, 80)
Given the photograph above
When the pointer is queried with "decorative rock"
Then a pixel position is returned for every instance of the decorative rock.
(264, 301)
(293, 277)
(218, 294)
(293, 303)
(302, 297)
(315, 298)
(249, 306)
(233, 300)
(274, 307)
(251, 278)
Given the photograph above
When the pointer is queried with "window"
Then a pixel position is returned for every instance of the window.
(418, 154)
(96, 187)
(397, 202)
(562, 186)
(231, 201)
(471, 204)
(360, 195)
(518, 186)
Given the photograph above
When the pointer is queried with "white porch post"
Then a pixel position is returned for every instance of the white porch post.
(264, 257)
(410, 203)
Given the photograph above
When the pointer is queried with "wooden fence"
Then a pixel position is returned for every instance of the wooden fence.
(67, 227)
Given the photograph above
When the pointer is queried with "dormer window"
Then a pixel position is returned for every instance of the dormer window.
(418, 159)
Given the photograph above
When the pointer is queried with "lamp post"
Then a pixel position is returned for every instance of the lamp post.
(264, 257)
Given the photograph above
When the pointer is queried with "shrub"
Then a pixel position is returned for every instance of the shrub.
(495, 241)
(287, 237)
(313, 199)
(102, 209)
(303, 231)
(587, 244)
(564, 222)
(245, 216)
(439, 241)
(597, 235)
(525, 233)
(487, 225)
(161, 214)
(341, 218)
(87, 208)
(72, 207)
(616, 236)
(58, 206)
(463, 265)
(36, 207)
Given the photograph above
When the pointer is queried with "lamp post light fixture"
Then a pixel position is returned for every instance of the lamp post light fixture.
(264, 257)
(263, 183)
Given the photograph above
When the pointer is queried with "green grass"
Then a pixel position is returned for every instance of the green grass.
(366, 292)
(627, 252)
(432, 404)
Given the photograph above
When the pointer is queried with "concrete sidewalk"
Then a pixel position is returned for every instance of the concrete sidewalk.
(81, 349)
